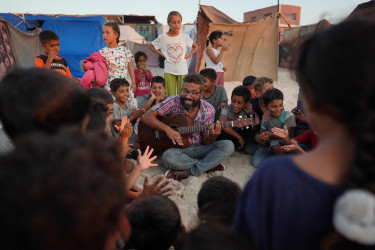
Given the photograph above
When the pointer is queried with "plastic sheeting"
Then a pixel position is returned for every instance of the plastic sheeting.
(79, 35)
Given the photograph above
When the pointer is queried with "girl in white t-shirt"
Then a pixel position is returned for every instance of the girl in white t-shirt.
(214, 55)
(172, 46)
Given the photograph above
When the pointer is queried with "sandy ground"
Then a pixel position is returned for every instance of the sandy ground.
(238, 165)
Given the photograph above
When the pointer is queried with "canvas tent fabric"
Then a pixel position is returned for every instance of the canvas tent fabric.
(24, 46)
(79, 35)
(127, 33)
(7, 62)
(253, 46)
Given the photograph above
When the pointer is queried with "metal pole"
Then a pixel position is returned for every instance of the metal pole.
(278, 5)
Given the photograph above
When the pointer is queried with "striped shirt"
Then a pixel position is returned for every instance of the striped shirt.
(172, 106)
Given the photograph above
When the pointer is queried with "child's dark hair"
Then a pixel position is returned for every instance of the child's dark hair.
(158, 79)
(117, 83)
(322, 69)
(329, 50)
(210, 236)
(214, 35)
(259, 82)
(248, 81)
(272, 94)
(209, 73)
(155, 223)
(101, 95)
(115, 28)
(217, 200)
(242, 91)
(47, 35)
(98, 116)
(46, 101)
(138, 54)
(72, 190)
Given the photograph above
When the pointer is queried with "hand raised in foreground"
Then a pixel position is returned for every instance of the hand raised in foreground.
(125, 128)
(159, 187)
(145, 160)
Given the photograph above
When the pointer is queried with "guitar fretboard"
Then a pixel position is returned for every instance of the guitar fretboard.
(202, 127)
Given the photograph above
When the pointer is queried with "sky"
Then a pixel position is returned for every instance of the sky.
(312, 10)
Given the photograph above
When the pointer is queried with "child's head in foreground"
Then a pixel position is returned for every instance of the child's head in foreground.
(240, 97)
(120, 89)
(209, 77)
(103, 96)
(211, 236)
(248, 82)
(262, 84)
(274, 101)
(155, 223)
(217, 200)
(140, 58)
(46, 101)
(64, 191)
(49, 41)
(157, 85)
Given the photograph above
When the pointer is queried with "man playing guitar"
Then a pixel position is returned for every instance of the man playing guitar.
(204, 153)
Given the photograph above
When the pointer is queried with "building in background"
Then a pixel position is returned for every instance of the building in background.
(290, 16)
(146, 26)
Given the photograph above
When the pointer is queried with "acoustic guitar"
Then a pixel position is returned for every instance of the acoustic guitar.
(160, 142)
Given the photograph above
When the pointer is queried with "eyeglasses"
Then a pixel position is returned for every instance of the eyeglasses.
(192, 93)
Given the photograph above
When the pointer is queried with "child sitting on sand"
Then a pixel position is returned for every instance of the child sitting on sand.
(157, 92)
(248, 82)
(242, 138)
(213, 94)
(217, 201)
(261, 85)
(268, 142)
(123, 107)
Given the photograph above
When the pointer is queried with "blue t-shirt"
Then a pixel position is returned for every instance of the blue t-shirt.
(283, 207)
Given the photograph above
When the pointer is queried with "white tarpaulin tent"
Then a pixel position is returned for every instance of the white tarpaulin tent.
(127, 33)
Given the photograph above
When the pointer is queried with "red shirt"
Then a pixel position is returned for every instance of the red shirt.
(307, 137)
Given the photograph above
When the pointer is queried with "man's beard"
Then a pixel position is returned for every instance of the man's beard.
(189, 107)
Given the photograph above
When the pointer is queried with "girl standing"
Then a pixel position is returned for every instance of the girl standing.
(118, 58)
(214, 55)
(172, 46)
(143, 78)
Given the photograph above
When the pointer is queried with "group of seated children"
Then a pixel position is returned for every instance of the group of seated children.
(256, 100)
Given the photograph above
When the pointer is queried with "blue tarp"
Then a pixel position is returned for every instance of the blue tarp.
(79, 36)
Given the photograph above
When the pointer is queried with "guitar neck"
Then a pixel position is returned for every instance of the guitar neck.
(203, 127)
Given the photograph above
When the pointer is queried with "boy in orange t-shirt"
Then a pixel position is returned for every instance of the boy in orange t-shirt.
(51, 45)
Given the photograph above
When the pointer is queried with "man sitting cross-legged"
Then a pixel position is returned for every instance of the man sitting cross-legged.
(204, 153)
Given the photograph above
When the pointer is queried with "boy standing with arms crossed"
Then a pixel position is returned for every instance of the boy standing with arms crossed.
(50, 60)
